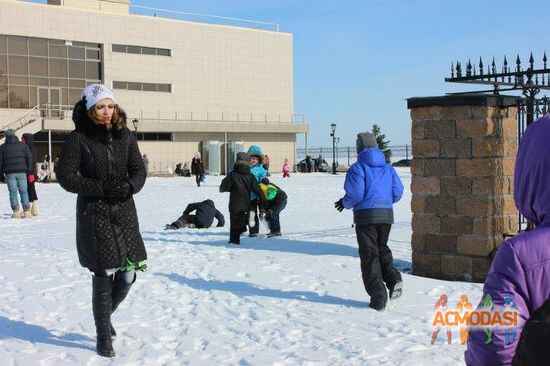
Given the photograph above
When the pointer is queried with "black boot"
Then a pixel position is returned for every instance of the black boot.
(378, 296)
(396, 290)
(102, 308)
(120, 290)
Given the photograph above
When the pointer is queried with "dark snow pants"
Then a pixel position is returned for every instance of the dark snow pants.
(31, 189)
(272, 217)
(376, 259)
(254, 230)
(237, 226)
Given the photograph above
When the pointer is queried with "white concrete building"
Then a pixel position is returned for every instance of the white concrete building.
(184, 82)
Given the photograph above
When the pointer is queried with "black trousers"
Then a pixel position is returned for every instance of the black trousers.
(32, 192)
(376, 258)
(198, 179)
(237, 225)
(254, 208)
(272, 217)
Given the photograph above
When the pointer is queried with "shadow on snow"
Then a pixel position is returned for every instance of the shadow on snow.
(10, 328)
(244, 289)
(276, 245)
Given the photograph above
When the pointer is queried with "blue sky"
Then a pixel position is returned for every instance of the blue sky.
(356, 61)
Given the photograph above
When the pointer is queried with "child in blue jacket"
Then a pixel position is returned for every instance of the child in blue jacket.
(372, 187)
(258, 171)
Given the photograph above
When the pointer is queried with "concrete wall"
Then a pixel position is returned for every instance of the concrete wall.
(164, 155)
(231, 79)
(213, 68)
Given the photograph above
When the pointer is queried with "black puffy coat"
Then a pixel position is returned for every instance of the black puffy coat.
(240, 183)
(205, 212)
(92, 161)
(197, 168)
(15, 156)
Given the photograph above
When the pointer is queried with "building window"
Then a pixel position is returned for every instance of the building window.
(151, 87)
(154, 136)
(139, 50)
(46, 71)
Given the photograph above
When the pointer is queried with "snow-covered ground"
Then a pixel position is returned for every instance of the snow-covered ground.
(296, 300)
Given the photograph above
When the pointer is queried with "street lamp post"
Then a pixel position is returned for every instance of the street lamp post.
(333, 135)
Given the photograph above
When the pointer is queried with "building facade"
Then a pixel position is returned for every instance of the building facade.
(183, 83)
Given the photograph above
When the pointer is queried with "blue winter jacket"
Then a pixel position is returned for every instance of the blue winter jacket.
(371, 183)
(259, 172)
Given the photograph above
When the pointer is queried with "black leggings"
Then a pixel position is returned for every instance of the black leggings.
(32, 192)
(198, 178)
(127, 276)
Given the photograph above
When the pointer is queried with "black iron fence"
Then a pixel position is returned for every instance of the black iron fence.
(346, 155)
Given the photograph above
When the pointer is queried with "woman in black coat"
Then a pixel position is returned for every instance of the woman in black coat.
(101, 162)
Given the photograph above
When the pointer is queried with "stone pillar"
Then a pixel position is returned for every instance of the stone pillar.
(464, 150)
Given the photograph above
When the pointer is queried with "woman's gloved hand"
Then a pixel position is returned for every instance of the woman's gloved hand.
(117, 189)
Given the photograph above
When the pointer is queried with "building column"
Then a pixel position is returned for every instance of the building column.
(464, 151)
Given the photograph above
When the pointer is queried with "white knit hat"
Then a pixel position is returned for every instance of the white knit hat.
(95, 92)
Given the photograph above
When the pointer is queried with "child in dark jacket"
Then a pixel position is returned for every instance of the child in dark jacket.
(205, 212)
(240, 184)
(273, 202)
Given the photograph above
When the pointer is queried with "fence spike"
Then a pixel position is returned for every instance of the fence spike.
(494, 66)
(469, 68)
(531, 61)
(518, 64)
(458, 69)
(505, 68)
(544, 59)
(452, 69)
(480, 66)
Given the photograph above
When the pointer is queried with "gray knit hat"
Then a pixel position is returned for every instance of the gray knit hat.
(9, 132)
(243, 156)
(365, 140)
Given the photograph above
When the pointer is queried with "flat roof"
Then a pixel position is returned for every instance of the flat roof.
(158, 14)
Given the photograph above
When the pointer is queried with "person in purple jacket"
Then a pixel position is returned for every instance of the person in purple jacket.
(372, 187)
(520, 273)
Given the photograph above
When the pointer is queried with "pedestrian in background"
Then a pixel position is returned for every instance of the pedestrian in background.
(197, 168)
(15, 163)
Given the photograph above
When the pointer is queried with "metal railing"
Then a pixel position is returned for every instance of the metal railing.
(347, 155)
(53, 111)
(24, 120)
(203, 18)
(193, 17)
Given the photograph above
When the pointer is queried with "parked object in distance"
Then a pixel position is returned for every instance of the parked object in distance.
(302, 166)
(403, 163)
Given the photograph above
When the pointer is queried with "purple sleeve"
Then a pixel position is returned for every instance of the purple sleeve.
(354, 187)
(506, 279)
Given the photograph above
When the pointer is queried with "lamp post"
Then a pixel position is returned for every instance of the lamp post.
(333, 135)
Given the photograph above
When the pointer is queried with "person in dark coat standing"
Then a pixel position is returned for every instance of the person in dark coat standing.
(15, 163)
(372, 187)
(205, 212)
(28, 139)
(197, 168)
(240, 183)
(102, 164)
(309, 164)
